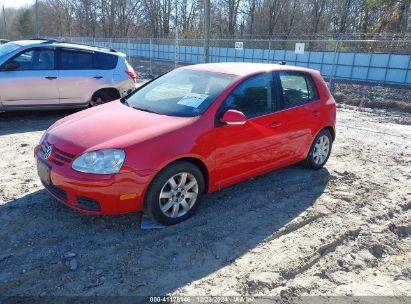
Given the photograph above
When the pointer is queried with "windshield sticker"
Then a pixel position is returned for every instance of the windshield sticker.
(193, 100)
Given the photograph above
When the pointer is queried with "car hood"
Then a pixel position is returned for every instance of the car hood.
(113, 125)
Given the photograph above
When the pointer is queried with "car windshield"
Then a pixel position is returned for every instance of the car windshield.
(182, 92)
(8, 48)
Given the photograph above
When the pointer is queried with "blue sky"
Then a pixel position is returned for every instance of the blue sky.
(16, 3)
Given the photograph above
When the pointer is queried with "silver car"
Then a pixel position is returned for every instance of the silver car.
(48, 74)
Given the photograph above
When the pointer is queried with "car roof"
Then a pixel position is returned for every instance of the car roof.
(27, 42)
(44, 42)
(244, 68)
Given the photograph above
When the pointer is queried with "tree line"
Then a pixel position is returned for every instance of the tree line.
(229, 18)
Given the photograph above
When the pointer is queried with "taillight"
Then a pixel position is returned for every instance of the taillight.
(131, 74)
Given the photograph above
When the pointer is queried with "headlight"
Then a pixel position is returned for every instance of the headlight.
(100, 162)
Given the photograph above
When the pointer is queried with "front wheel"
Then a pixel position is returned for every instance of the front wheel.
(320, 151)
(175, 193)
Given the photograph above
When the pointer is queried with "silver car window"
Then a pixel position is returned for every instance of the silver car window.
(35, 59)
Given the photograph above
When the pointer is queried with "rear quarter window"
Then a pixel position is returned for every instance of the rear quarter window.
(297, 88)
(104, 61)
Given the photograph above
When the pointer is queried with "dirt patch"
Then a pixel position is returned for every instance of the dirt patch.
(374, 96)
(342, 230)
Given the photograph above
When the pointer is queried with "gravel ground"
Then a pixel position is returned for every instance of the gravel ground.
(342, 230)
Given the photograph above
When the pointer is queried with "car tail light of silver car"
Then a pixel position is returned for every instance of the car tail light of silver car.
(131, 74)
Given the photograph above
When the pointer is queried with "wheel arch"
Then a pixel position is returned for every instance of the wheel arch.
(113, 92)
(199, 164)
(330, 129)
(196, 162)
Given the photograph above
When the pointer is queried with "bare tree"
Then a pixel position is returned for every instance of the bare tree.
(157, 18)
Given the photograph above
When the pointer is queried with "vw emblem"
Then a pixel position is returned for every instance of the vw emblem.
(48, 152)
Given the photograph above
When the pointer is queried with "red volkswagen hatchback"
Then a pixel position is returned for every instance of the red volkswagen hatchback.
(192, 131)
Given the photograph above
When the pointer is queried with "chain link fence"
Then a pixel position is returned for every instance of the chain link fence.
(382, 60)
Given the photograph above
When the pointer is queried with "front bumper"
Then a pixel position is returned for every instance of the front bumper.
(98, 194)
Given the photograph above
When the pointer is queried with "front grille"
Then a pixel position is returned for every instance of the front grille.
(60, 193)
(87, 203)
(60, 157)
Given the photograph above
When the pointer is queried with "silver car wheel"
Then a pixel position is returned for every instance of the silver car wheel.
(178, 195)
(321, 150)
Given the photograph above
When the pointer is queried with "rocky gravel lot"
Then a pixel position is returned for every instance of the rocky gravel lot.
(343, 230)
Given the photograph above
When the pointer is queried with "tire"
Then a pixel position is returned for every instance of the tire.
(100, 98)
(316, 160)
(168, 204)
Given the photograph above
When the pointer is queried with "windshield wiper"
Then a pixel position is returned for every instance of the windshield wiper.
(146, 110)
(124, 101)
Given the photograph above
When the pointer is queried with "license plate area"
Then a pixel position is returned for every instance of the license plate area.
(43, 170)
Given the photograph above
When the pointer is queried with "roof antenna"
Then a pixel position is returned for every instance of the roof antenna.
(282, 62)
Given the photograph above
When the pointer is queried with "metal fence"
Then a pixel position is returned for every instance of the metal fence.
(383, 61)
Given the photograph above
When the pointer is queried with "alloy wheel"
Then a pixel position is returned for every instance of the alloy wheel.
(321, 150)
(178, 195)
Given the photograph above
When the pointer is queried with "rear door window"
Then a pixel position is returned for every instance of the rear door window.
(84, 60)
(296, 89)
(76, 60)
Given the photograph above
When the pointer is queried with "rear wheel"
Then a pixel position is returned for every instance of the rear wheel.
(175, 193)
(320, 151)
(100, 98)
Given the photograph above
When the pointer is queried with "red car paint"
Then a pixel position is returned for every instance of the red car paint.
(228, 153)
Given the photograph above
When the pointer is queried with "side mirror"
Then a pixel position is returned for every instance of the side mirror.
(233, 117)
(11, 65)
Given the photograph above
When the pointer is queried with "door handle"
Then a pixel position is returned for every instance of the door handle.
(51, 77)
(275, 124)
(98, 77)
(316, 113)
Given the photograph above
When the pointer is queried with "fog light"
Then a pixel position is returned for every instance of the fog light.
(127, 196)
